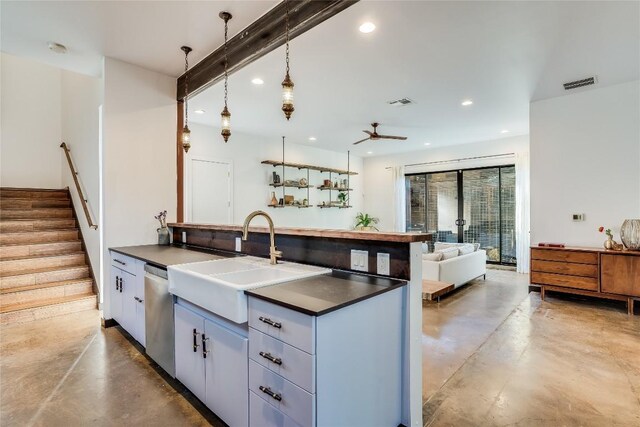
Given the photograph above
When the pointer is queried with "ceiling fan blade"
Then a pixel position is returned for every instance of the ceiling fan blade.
(362, 140)
(368, 132)
(401, 138)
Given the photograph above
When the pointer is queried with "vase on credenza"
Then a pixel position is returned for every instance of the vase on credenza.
(630, 234)
(609, 243)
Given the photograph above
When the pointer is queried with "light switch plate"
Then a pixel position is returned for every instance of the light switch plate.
(383, 264)
(577, 217)
(359, 260)
(238, 244)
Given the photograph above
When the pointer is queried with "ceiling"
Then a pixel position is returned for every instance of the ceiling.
(144, 33)
(502, 55)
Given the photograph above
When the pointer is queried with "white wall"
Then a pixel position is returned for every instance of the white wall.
(251, 191)
(31, 130)
(585, 158)
(378, 186)
(139, 155)
(81, 97)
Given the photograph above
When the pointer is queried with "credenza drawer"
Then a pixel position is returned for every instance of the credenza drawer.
(263, 414)
(293, 364)
(576, 282)
(585, 270)
(284, 395)
(564, 256)
(621, 274)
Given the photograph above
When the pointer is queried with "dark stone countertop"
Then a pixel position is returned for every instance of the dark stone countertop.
(323, 294)
(164, 256)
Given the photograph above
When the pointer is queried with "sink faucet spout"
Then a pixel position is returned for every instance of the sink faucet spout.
(273, 253)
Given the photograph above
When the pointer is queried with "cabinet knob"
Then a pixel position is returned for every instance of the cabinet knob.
(271, 358)
(267, 390)
(270, 322)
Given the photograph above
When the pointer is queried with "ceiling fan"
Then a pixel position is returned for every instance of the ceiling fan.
(374, 136)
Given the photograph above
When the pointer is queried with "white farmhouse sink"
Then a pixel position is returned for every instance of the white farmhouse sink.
(219, 285)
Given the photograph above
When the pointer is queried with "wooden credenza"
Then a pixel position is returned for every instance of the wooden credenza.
(587, 271)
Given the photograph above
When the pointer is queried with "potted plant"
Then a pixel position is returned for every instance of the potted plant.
(365, 222)
(163, 232)
(342, 197)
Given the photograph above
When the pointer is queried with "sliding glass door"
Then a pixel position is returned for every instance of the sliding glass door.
(472, 205)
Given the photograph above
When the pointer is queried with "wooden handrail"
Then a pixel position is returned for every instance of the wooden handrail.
(74, 173)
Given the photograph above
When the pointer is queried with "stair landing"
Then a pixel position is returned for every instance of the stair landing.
(43, 265)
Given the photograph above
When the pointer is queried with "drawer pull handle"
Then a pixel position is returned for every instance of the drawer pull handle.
(267, 390)
(270, 358)
(270, 322)
(120, 262)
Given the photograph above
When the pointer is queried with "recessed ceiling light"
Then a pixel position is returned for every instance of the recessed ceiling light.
(466, 102)
(367, 27)
(257, 81)
(427, 143)
(504, 131)
(199, 111)
(312, 138)
(57, 47)
(369, 152)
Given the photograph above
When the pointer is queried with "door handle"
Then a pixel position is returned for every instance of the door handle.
(117, 283)
(457, 222)
(121, 285)
(204, 346)
(195, 340)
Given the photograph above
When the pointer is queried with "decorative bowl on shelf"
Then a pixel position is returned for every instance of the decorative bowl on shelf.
(630, 234)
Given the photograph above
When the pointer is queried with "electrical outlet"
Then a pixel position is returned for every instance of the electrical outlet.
(359, 260)
(383, 264)
(578, 217)
(238, 244)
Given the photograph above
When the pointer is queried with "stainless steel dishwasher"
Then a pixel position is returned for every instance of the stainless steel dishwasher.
(159, 325)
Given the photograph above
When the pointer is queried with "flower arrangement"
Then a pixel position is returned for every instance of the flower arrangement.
(162, 218)
(607, 232)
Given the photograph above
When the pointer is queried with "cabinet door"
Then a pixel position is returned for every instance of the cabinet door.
(139, 322)
(621, 274)
(188, 342)
(129, 304)
(227, 374)
(116, 296)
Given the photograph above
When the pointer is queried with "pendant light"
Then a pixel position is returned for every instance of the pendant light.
(287, 84)
(225, 115)
(186, 133)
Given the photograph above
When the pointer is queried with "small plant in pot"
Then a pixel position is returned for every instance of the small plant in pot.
(342, 197)
(163, 231)
(366, 222)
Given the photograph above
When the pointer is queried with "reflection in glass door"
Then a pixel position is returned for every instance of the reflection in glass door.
(480, 219)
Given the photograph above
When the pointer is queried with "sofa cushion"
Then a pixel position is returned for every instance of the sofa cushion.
(476, 246)
(437, 246)
(435, 256)
(466, 248)
(425, 248)
(448, 253)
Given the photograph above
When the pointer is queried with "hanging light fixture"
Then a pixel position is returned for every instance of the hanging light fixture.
(186, 133)
(225, 115)
(287, 84)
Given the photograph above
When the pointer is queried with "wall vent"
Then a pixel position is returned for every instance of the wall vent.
(400, 102)
(579, 83)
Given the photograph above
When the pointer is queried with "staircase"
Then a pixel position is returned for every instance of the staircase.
(43, 266)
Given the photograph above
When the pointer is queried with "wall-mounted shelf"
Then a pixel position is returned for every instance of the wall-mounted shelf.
(289, 206)
(290, 185)
(334, 188)
(276, 163)
(334, 206)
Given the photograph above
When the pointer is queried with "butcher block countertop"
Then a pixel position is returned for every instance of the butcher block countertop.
(379, 236)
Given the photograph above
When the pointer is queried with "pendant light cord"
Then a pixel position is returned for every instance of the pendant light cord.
(287, 35)
(226, 75)
(186, 89)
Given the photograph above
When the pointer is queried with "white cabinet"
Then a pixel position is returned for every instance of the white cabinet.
(343, 368)
(127, 294)
(212, 362)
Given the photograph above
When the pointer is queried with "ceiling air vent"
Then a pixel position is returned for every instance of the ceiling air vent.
(400, 102)
(580, 83)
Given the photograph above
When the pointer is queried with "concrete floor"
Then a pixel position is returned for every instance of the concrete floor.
(493, 355)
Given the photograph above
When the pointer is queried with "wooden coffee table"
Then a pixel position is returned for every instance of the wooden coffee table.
(433, 289)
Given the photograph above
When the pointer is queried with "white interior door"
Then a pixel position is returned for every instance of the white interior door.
(210, 192)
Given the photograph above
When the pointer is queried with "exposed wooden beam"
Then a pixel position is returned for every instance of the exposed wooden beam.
(261, 37)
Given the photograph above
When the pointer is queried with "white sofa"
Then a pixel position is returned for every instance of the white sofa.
(457, 270)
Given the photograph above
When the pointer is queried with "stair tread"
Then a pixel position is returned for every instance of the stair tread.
(44, 285)
(44, 303)
(39, 256)
(38, 243)
(48, 230)
(45, 270)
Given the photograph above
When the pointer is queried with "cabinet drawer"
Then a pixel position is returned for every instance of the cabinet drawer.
(290, 399)
(621, 274)
(576, 282)
(290, 326)
(585, 270)
(261, 414)
(293, 364)
(565, 256)
(124, 262)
